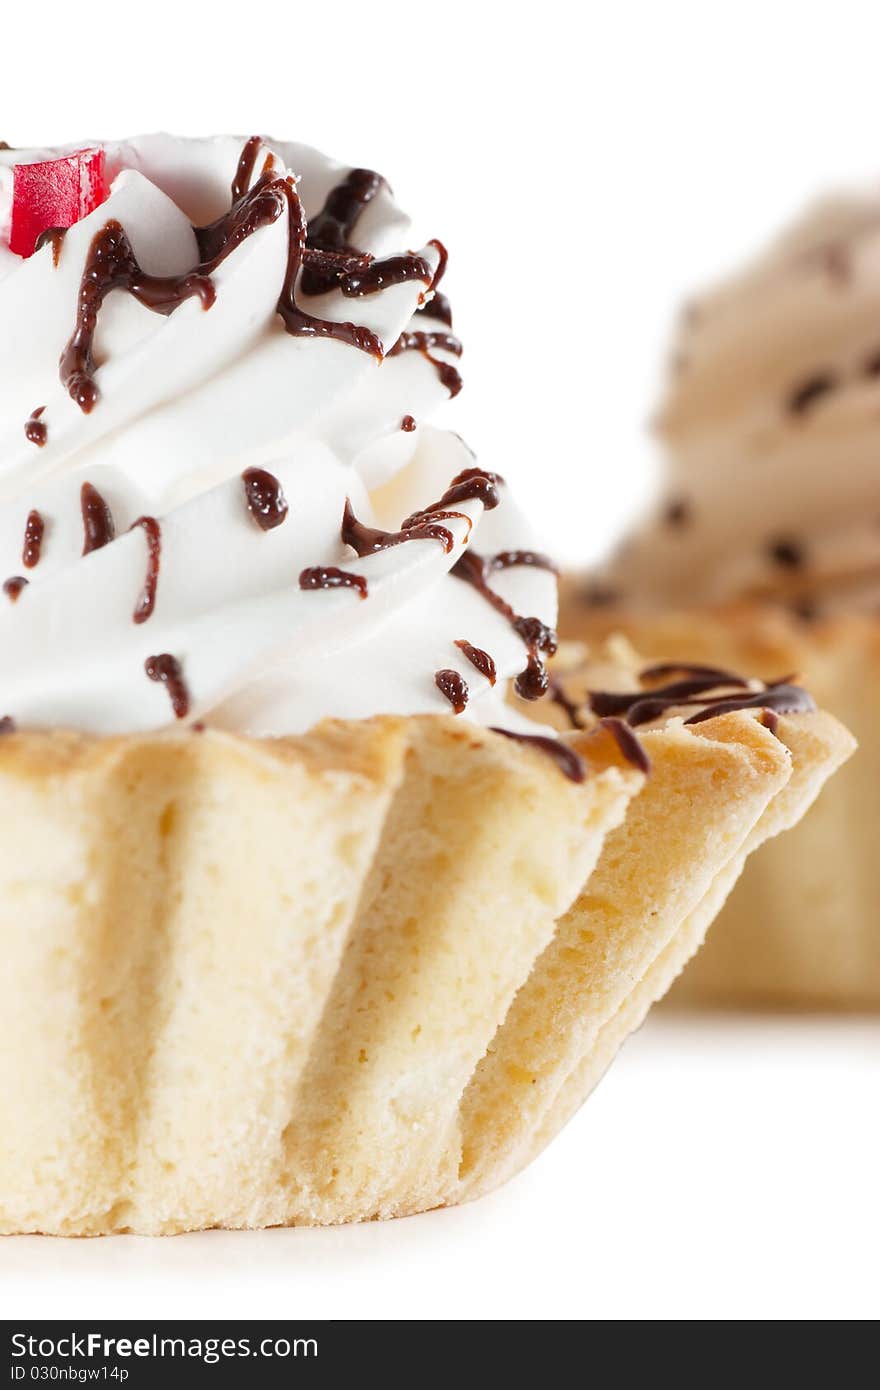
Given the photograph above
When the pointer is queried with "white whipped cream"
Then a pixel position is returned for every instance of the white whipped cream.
(187, 402)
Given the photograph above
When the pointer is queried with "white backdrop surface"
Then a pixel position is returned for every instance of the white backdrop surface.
(586, 165)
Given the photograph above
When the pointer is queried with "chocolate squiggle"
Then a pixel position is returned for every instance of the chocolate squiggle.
(540, 640)
(415, 340)
(570, 763)
(638, 707)
(166, 670)
(474, 484)
(112, 265)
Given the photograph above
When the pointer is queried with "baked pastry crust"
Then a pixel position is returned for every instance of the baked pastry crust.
(801, 928)
(355, 974)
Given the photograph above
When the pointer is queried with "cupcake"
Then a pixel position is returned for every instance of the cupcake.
(763, 555)
(303, 921)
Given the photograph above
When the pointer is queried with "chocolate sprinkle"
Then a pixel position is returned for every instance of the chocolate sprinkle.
(265, 498)
(805, 396)
(600, 596)
(677, 513)
(7, 724)
(167, 670)
(408, 424)
(567, 760)
(479, 659)
(806, 609)
(34, 428)
(98, 525)
(787, 553)
(329, 577)
(33, 540)
(454, 687)
(13, 586)
(147, 600)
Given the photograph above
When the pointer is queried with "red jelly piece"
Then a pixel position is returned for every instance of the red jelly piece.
(54, 193)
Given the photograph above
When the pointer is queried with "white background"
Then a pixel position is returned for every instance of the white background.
(587, 164)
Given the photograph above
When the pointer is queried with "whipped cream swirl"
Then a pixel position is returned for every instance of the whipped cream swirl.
(771, 431)
(173, 533)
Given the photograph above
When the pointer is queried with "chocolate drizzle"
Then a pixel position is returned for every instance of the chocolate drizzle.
(54, 237)
(147, 600)
(510, 559)
(331, 229)
(13, 586)
(111, 265)
(34, 429)
(630, 747)
(558, 696)
(566, 759)
(778, 698)
(474, 484)
(98, 525)
(332, 262)
(329, 577)
(167, 670)
(370, 540)
(479, 659)
(438, 307)
(363, 275)
(296, 320)
(33, 540)
(661, 670)
(265, 498)
(454, 687)
(415, 340)
(770, 720)
(244, 172)
(539, 639)
(644, 706)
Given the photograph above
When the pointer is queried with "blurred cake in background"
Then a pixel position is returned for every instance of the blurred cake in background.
(763, 554)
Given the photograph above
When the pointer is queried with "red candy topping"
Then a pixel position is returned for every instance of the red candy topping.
(54, 193)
